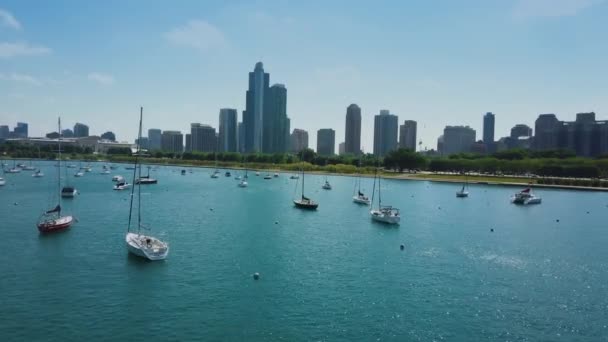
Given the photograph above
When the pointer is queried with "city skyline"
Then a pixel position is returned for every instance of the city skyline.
(53, 66)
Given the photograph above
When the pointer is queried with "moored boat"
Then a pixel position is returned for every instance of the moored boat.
(525, 197)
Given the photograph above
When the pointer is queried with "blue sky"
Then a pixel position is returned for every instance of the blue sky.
(436, 62)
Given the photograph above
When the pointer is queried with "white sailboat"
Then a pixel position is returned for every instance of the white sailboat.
(386, 213)
(360, 197)
(145, 246)
(38, 174)
(463, 192)
(14, 169)
(2, 181)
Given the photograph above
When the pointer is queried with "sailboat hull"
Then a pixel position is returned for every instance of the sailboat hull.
(382, 217)
(462, 194)
(361, 200)
(55, 225)
(147, 247)
(306, 205)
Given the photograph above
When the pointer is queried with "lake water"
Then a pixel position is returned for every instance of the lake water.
(330, 275)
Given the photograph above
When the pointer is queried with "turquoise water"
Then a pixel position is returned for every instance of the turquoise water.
(329, 275)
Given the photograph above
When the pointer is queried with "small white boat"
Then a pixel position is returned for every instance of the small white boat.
(386, 213)
(215, 174)
(2, 181)
(105, 172)
(268, 176)
(87, 168)
(360, 198)
(37, 174)
(237, 177)
(525, 197)
(257, 173)
(28, 168)
(122, 185)
(117, 178)
(79, 174)
(147, 247)
(326, 186)
(243, 184)
(68, 191)
(13, 170)
(71, 166)
(294, 177)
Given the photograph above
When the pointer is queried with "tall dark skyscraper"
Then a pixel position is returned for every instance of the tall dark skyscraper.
(21, 131)
(227, 141)
(202, 138)
(545, 128)
(407, 135)
(172, 141)
(81, 130)
(241, 136)
(326, 142)
(4, 132)
(386, 127)
(352, 139)
(154, 139)
(276, 122)
(488, 128)
(253, 117)
(188, 147)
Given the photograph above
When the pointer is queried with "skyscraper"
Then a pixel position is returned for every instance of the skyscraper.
(521, 130)
(407, 135)
(4, 132)
(253, 117)
(299, 140)
(386, 127)
(352, 139)
(341, 148)
(109, 136)
(172, 141)
(276, 122)
(241, 136)
(326, 142)
(188, 147)
(81, 130)
(227, 141)
(457, 139)
(488, 129)
(202, 138)
(546, 127)
(154, 138)
(585, 136)
(21, 130)
(67, 133)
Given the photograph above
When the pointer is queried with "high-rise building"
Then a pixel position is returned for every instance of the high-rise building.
(4, 132)
(299, 140)
(188, 147)
(67, 133)
(386, 127)
(253, 117)
(407, 135)
(154, 138)
(585, 136)
(457, 139)
(488, 128)
(109, 136)
(326, 142)
(521, 130)
(227, 141)
(172, 141)
(352, 132)
(143, 143)
(81, 130)
(203, 138)
(276, 122)
(21, 130)
(341, 148)
(241, 137)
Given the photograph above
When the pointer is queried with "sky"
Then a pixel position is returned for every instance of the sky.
(439, 62)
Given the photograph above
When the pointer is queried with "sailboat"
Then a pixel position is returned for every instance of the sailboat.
(146, 179)
(384, 214)
(463, 192)
(305, 202)
(216, 173)
(360, 197)
(52, 220)
(68, 190)
(145, 246)
(14, 169)
(38, 172)
(30, 167)
(326, 186)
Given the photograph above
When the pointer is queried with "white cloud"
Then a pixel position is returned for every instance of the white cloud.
(8, 20)
(551, 8)
(101, 78)
(197, 34)
(20, 78)
(8, 50)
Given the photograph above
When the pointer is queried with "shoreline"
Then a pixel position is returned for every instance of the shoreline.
(437, 178)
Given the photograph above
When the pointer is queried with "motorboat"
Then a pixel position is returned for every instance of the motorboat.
(142, 245)
(326, 186)
(38, 174)
(88, 168)
(525, 197)
(294, 177)
(227, 174)
(121, 185)
(68, 191)
(21, 166)
(105, 172)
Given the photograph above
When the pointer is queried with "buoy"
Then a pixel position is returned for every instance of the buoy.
(256, 276)
(439, 208)
(402, 247)
(492, 229)
(557, 220)
(15, 203)
(587, 212)
(211, 209)
(276, 222)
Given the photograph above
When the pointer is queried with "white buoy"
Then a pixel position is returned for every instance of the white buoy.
(256, 276)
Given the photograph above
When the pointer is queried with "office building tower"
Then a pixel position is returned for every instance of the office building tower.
(546, 128)
(457, 139)
(21, 130)
(4, 132)
(241, 137)
(276, 122)
(188, 147)
(228, 130)
(341, 148)
(203, 138)
(299, 140)
(520, 130)
(154, 138)
(172, 141)
(585, 136)
(326, 142)
(352, 132)
(407, 135)
(81, 130)
(488, 128)
(386, 127)
(253, 117)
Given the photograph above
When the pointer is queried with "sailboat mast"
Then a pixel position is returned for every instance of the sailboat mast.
(302, 183)
(379, 193)
(141, 113)
(59, 168)
(135, 171)
(374, 188)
